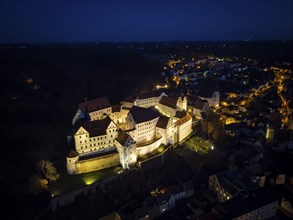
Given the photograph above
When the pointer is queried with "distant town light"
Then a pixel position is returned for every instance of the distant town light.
(212, 147)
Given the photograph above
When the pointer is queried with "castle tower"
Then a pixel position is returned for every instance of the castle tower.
(184, 103)
(127, 150)
(215, 100)
(71, 160)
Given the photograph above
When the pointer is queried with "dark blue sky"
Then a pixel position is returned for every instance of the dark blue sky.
(161, 20)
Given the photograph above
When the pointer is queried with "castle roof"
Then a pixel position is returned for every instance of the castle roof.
(180, 114)
(95, 128)
(72, 154)
(122, 137)
(94, 104)
(183, 120)
(146, 95)
(116, 108)
(168, 101)
(141, 115)
(162, 122)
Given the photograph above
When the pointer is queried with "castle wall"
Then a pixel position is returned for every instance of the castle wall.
(85, 166)
(146, 149)
(155, 161)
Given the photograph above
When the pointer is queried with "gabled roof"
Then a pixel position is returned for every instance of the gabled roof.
(95, 128)
(72, 154)
(141, 115)
(162, 122)
(183, 120)
(94, 104)
(122, 137)
(168, 101)
(233, 182)
(146, 95)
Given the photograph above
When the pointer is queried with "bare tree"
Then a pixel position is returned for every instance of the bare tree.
(37, 184)
(49, 170)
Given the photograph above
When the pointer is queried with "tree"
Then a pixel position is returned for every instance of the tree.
(49, 170)
(37, 184)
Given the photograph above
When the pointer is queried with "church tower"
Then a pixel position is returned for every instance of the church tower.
(215, 100)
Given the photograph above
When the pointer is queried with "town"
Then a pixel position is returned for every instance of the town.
(228, 120)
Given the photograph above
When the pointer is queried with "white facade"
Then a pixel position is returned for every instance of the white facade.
(127, 152)
(182, 103)
(84, 143)
(215, 100)
(199, 108)
(147, 102)
(100, 114)
(146, 131)
(184, 127)
(166, 110)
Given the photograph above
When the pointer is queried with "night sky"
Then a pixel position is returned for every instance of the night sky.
(162, 20)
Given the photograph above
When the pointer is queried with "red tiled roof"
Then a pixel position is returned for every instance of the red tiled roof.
(181, 121)
(95, 104)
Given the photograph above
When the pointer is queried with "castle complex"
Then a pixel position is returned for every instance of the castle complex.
(106, 135)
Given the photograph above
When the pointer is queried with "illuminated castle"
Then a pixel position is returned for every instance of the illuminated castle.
(106, 135)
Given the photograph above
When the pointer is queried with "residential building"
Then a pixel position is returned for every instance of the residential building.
(259, 204)
(230, 184)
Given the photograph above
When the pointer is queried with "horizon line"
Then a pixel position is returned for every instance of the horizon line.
(136, 42)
